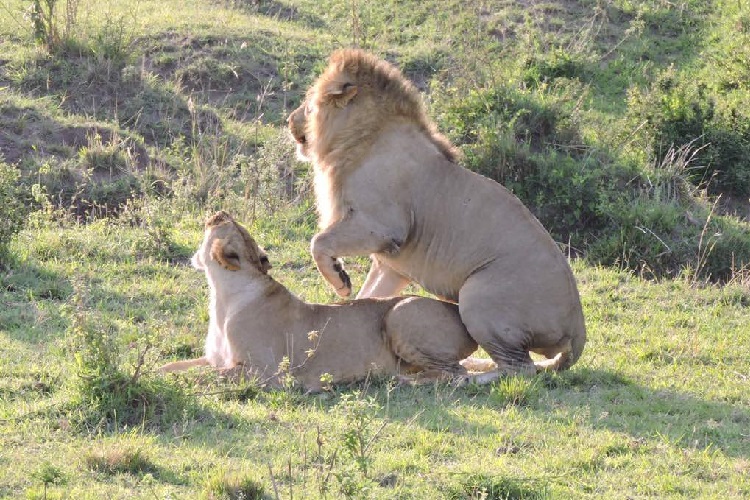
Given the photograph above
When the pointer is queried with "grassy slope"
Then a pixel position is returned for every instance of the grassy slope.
(656, 406)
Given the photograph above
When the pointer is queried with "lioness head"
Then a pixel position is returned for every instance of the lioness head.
(357, 95)
(230, 245)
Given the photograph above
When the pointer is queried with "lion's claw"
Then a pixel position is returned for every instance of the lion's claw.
(346, 289)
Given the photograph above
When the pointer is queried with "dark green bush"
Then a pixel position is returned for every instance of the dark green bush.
(614, 212)
(528, 141)
(660, 239)
(677, 110)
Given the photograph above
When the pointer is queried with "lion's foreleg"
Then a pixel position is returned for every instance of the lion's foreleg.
(382, 281)
(352, 235)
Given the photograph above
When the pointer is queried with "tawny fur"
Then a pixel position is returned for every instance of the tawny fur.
(387, 184)
(256, 324)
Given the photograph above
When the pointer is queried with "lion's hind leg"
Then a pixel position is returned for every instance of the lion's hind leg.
(429, 337)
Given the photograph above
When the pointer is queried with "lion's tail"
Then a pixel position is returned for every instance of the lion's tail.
(178, 366)
(559, 362)
(569, 352)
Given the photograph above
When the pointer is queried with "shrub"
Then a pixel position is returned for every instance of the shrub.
(678, 110)
(529, 142)
(613, 210)
(666, 238)
(547, 66)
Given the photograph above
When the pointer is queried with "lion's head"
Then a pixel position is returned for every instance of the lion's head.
(356, 97)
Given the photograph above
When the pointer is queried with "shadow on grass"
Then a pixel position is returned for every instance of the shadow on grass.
(619, 404)
(596, 399)
(599, 399)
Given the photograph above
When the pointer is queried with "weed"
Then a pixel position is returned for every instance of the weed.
(362, 429)
(43, 17)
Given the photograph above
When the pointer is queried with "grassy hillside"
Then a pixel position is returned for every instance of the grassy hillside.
(622, 124)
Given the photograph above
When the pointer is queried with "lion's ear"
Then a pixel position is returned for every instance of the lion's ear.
(225, 255)
(340, 94)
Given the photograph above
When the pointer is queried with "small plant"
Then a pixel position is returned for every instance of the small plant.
(45, 24)
(361, 428)
(49, 474)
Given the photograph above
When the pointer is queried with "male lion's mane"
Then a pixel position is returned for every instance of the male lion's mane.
(383, 97)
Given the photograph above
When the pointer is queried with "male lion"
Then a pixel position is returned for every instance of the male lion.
(387, 185)
(258, 326)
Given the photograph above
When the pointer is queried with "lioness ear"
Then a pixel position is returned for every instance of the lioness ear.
(222, 253)
(341, 94)
(265, 264)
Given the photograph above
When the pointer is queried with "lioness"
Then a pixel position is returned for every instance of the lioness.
(387, 184)
(256, 324)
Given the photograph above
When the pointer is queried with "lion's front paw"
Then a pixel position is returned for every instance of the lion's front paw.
(346, 287)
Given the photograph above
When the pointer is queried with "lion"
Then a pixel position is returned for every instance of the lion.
(259, 327)
(389, 185)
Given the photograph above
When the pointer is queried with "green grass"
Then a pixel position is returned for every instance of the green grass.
(656, 406)
(146, 116)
